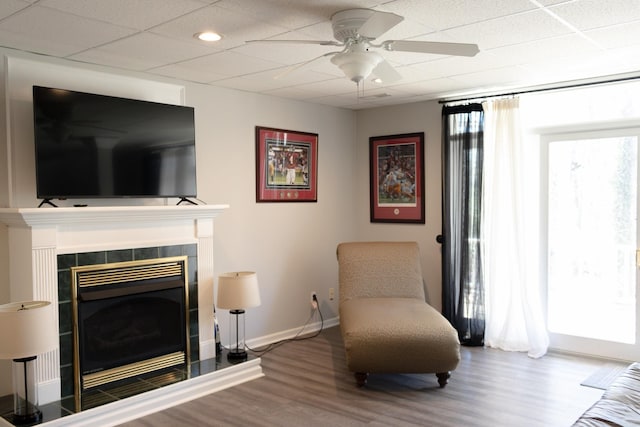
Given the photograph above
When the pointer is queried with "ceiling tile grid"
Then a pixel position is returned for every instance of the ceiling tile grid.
(522, 43)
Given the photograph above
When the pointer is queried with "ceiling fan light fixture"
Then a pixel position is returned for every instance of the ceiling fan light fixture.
(357, 66)
(208, 36)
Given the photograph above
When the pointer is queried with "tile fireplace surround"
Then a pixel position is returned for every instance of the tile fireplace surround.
(38, 235)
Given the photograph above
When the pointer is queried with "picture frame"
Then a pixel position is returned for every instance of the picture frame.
(397, 178)
(286, 165)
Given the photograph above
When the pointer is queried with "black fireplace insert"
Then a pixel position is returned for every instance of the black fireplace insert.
(131, 318)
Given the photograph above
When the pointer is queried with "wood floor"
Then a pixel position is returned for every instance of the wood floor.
(307, 384)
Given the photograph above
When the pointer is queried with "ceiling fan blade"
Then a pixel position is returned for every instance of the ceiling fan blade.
(385, 72)
(294, 67)
(440, 48)
(378, 24)
(319, 42)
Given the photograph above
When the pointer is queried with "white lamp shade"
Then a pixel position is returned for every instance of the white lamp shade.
(27, 329)
(238, 290)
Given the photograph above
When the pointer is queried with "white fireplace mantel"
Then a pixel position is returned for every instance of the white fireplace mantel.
(105, 215)
(36, 236)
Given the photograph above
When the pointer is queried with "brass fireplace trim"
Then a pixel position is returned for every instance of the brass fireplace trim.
(110, 273)
(133, 369)
(123, 274)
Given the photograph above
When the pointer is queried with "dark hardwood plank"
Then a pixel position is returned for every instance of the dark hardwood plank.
(307, 384)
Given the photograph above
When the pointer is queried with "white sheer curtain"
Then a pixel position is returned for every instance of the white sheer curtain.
(514, 314)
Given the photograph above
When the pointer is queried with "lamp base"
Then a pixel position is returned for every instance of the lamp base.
(236, 356)
(25, 393)
(33, 418)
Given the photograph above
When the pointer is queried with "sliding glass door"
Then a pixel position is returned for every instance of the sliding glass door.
(591, 235)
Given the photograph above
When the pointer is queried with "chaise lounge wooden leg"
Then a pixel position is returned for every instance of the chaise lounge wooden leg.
(361, 378)
(443, 378)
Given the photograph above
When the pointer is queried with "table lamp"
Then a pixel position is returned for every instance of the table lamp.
(27, 329)
(237, 291)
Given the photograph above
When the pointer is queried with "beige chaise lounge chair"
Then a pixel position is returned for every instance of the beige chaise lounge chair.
(386, 324)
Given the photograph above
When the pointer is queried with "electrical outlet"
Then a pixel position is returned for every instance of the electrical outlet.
(313, 299)
(332, 294)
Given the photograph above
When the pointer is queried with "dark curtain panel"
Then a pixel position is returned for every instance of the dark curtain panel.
(462, 287)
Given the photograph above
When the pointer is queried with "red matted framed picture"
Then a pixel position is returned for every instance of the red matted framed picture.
(286, 165)
(397, 178)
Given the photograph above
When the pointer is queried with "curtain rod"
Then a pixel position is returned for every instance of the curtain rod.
(544, 89)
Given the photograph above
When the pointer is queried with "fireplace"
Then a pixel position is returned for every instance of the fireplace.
(46, 243)
(130, 318)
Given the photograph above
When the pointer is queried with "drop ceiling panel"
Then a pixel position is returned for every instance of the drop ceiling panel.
(544, 50)
(247, 84)
(335, 86)
(444, 14)
(9, 7)
(434, 86)
(417, 73)
(143, 51)
(268, 80)
(58, 32)
(519, 28)
(582, 66)
(453, 66)
(296, 92)
(291, 14)
(617, 35)
(189, 72)
(229, 63)
(234, 27)
(590, 14)
(508, 76)
(138, 14)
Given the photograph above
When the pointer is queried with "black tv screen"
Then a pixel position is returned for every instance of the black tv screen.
(96, 146)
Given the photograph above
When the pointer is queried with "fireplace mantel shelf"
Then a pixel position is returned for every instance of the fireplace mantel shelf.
(105, 214)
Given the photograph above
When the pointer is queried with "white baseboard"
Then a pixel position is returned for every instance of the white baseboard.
(291, 333)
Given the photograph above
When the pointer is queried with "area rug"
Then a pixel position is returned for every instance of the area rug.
(604, 376)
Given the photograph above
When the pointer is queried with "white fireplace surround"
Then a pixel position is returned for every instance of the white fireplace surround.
(38, 235)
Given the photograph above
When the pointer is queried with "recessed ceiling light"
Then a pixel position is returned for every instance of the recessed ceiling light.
(208, 36)
(377, 80)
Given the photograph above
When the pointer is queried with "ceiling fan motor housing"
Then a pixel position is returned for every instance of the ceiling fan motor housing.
(347, 23)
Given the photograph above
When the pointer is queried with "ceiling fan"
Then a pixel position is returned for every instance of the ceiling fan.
(356, 29)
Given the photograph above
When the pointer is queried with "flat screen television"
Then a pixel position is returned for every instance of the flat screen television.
(97, 146)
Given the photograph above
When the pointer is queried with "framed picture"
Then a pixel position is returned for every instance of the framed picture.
(397, 178)
(286, 165)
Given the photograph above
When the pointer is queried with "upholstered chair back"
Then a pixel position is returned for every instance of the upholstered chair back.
(380, 269)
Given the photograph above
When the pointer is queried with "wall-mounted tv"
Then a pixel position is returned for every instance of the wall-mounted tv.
(97, 146)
